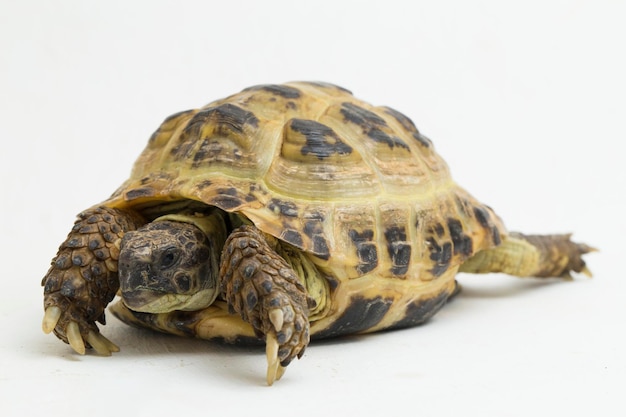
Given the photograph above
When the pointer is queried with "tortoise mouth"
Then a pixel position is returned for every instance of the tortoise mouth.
(146, 300)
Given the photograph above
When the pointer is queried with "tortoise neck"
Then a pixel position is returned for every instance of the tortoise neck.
(213, 225)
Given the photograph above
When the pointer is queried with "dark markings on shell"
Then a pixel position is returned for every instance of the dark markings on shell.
(140, 192)
(395, 234)
(462, 242)
(225, 117)
(226, 202)
(438, 229)
(320, 247)
(360, 116)
(382, 137)
(358, 237)
(228, 191)
(419, 311)
(182, 150)
(286, 208)
(484, 219)
(204, 184)
(277, 89)
(440, 255)
(423, 140)
(495, 236)
(399, 250)
(314, 215)
(368, 257)
(482, 216)
(293, 237)
(365, 250)
(156, 177)
(321, 140)
(209, 150)
(373, 125)
(360, 315)
(329, 85)
(313, 229)
(408, 125)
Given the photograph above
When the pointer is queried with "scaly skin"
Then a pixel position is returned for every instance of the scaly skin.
(259, 285)
(83, 278)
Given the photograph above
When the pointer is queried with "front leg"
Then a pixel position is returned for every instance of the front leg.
(260, 285)
(83, 278)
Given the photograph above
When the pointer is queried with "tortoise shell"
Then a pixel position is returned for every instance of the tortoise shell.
(355, 187)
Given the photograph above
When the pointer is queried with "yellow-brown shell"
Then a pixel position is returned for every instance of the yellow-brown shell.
(356, 186)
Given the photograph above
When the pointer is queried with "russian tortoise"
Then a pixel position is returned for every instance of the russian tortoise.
(279, 214)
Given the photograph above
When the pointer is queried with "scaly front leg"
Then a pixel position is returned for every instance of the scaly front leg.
(83, 278)
(260, 285)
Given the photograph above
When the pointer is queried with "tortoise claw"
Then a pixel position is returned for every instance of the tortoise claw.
(101, 344)
(274, 369)
(277, 318)
(50, 319)
(280, 372)
(74, 338)
(53, 318)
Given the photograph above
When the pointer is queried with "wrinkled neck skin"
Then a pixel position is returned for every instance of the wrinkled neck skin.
(212, 225)
(172, 263)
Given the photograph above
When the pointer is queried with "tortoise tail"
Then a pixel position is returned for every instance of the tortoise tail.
(532, 256)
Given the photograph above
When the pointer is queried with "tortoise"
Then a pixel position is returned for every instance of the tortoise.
(277, 215)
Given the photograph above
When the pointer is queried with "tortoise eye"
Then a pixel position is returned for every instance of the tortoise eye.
(169, 258)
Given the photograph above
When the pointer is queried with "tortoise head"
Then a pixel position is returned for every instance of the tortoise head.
(166, 266)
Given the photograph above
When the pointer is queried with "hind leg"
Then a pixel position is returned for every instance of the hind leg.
(531, 256)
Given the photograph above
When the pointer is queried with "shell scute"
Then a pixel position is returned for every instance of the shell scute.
(221, 135)
(314, 161)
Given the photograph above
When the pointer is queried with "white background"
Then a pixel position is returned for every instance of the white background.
(525, 100)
